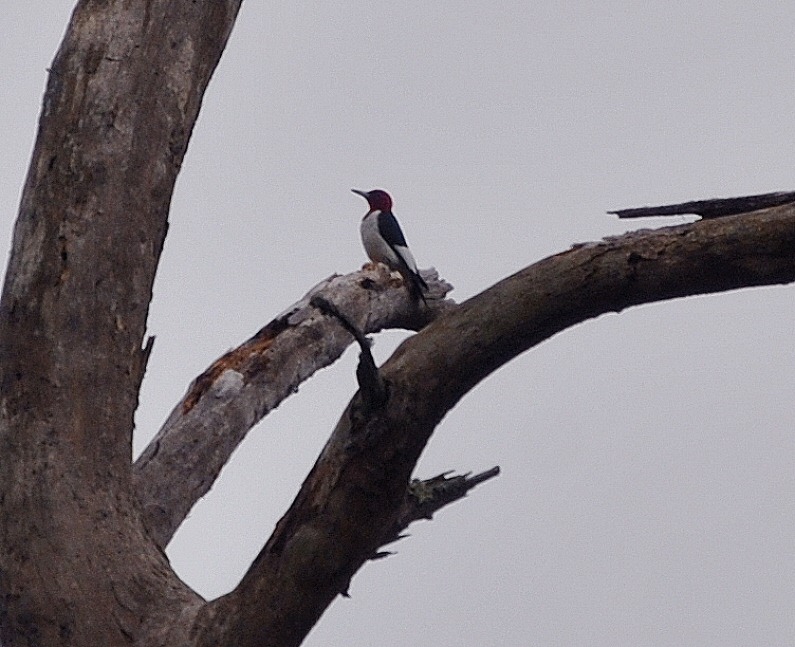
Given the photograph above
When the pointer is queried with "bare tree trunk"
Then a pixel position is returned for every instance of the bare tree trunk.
(81, 529)
(123, 94)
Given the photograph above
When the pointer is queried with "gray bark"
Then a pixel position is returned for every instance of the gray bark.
(81, 529)
(122, 96)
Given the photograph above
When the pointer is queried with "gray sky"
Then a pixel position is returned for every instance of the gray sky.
(648, 458)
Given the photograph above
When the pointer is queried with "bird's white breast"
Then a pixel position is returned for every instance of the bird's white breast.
(376, 247)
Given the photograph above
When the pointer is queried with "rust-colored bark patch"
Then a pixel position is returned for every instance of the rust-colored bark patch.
(241, 359)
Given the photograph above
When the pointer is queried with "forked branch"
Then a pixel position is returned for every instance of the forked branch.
(355, 493)
(241, 387)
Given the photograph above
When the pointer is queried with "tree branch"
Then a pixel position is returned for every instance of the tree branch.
(425, 498)
(241, 387)
(354, 494)
(370, 383)
(715, 208)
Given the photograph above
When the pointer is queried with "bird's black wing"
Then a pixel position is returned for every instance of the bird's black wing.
(390, 230)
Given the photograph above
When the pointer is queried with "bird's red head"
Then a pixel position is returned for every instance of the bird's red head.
(377, 199)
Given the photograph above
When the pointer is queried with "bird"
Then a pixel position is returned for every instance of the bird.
(384, 242)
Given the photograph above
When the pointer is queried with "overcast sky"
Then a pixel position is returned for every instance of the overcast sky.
(648, 484)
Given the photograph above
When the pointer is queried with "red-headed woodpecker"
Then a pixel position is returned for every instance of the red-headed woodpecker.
(384, 241)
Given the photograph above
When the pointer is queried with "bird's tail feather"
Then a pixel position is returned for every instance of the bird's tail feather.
(416, 286)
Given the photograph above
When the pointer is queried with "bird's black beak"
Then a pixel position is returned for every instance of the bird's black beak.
(361, 193)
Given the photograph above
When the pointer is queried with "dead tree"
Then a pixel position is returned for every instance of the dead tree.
(81, 528)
